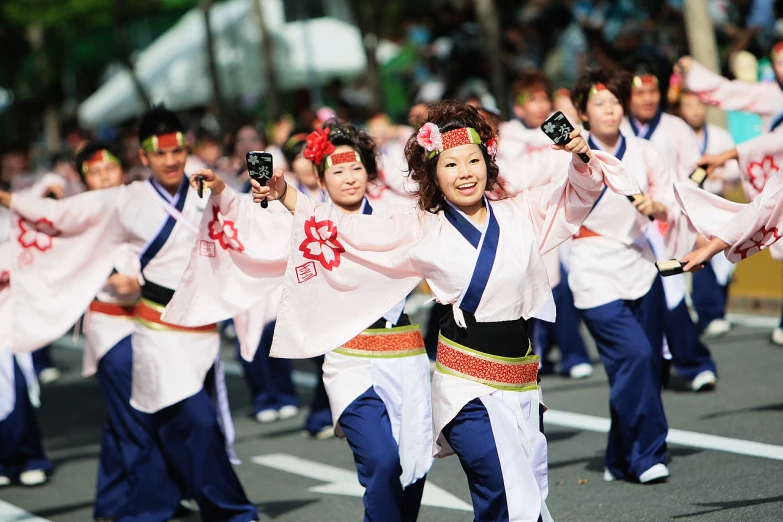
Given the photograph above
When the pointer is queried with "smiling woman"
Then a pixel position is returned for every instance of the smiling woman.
(460, 174)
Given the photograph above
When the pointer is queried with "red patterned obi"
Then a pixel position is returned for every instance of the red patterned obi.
(503, 373)
(148, 314)
(127, 310)
(385, 343)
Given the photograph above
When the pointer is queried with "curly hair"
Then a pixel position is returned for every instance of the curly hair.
(618, 82)
(345, 133)
(447, 115)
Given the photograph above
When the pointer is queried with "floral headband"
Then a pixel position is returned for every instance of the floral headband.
(430, 138)
(159, 141)
(98, 157)
(319, 149)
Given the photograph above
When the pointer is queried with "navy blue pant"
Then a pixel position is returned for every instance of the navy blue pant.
(127, 435)
(690, 356)
(564, 332)
(269, 378)
(20, 439)
(320, 415)
(189, 436)
(709, 297)
(629, 335)
(42, 359)
(367, 428)
(470, 436)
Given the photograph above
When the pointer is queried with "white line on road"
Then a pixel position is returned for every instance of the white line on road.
(11, 513)
(343, 482)
(683, 438)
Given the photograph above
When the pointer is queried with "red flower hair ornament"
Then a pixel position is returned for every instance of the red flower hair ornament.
(318, 146)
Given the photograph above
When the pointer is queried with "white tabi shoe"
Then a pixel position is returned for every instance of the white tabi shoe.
(777, 336)
(267, 416)
(4, 481)
(608, 477)
(581, 371)
(286, 412)
(48, 375)
(717, 327)
(32, 477)
(705, 381)
(657, 473)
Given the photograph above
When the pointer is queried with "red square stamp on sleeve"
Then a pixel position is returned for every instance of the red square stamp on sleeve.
(206, 248)
(306, 272)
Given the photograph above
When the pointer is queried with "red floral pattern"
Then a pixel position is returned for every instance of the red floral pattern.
(321, 243)
(492, 147)
(398, 343)
(491, 372)
(5, 279)
(224, 231)
(758, 242)
(38, 235)
(760, 171)
(318, 146)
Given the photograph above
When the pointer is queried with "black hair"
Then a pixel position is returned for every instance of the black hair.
(616, 81)
(345, 133)
(159, 120)
(295, 143)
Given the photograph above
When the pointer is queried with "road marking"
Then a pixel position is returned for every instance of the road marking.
(756, 321)
(343, 482)
(681, 437)
(11, 513)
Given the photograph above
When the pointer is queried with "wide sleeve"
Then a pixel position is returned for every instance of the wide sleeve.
(748, 229)
(62, 252)
(237, 260)
(759, 160)
(762, 98)
(343, 273)
(558, 209)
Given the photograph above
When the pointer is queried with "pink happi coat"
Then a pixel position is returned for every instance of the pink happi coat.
(619, 263)
(763, 98)
(252, 269)
(526, 160)
(345, 271)
(748, 229)
(63, 252)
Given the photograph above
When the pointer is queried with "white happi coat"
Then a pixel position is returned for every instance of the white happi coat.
(65, 251)
(349, 270)
(747, 229)
(103, 331)
(763, 98)
(250, 267)
(620, 263)
(526, 160)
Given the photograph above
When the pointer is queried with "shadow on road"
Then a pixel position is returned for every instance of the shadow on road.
(730, 504)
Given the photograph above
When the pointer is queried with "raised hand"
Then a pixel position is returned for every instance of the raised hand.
(211, 180)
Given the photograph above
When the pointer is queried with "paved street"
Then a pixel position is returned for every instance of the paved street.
(291, 478)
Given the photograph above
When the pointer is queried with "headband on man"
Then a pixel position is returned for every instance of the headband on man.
(160, 141)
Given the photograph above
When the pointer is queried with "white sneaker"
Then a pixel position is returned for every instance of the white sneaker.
(4, 481)
(777, 336)
(581, 371)
(189, 504)
(266, 416)
(608, 477)
(717, 327)
(32, 477)
(325, 434)
(286, 412)
(48, 375)
(657, 473)
(705, 381)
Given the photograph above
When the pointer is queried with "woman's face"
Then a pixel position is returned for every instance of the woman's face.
(462, 175)
(103, 174)
(247, 139)
(346, 183)
(604, 114)
(305, 171)
(692, 110)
